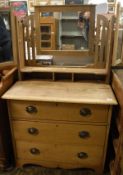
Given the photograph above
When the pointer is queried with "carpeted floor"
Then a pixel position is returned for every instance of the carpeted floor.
(37, 170)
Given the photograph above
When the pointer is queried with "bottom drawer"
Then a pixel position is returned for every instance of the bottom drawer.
(80, 156)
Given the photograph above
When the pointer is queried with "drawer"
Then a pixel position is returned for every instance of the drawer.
(59, 133)
(58, 111)
(77, 154)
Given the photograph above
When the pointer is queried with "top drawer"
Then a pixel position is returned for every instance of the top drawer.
(29, 110)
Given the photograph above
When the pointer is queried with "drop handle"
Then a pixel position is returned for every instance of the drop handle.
(34, 151)
(82, 155)
(84, 134)
(33, 131)
(85, 112)
(31, 109)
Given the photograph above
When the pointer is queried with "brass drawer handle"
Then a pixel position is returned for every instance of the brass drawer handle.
(34, 151)
(33, 131)
(31, 109)
(82, 155)
(85, 112)
(84, 134)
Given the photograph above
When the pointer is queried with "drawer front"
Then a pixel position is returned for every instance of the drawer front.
(63, 165)
(58, 111)
(59, 133)
(79, 155)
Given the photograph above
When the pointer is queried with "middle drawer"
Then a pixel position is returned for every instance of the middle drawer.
(59, 133)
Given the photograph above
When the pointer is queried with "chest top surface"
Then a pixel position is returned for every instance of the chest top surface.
(68, 92)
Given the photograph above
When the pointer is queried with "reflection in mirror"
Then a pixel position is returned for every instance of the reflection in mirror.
(120, 41)
(64, 30)
(120, 36)
(5, 37)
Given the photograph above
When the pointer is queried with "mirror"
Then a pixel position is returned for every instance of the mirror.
(70, 28)
(65, 33)
(118, 39)
(120, 35)
(6, 37)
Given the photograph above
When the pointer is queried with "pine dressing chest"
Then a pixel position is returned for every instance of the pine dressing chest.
(60, 113)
